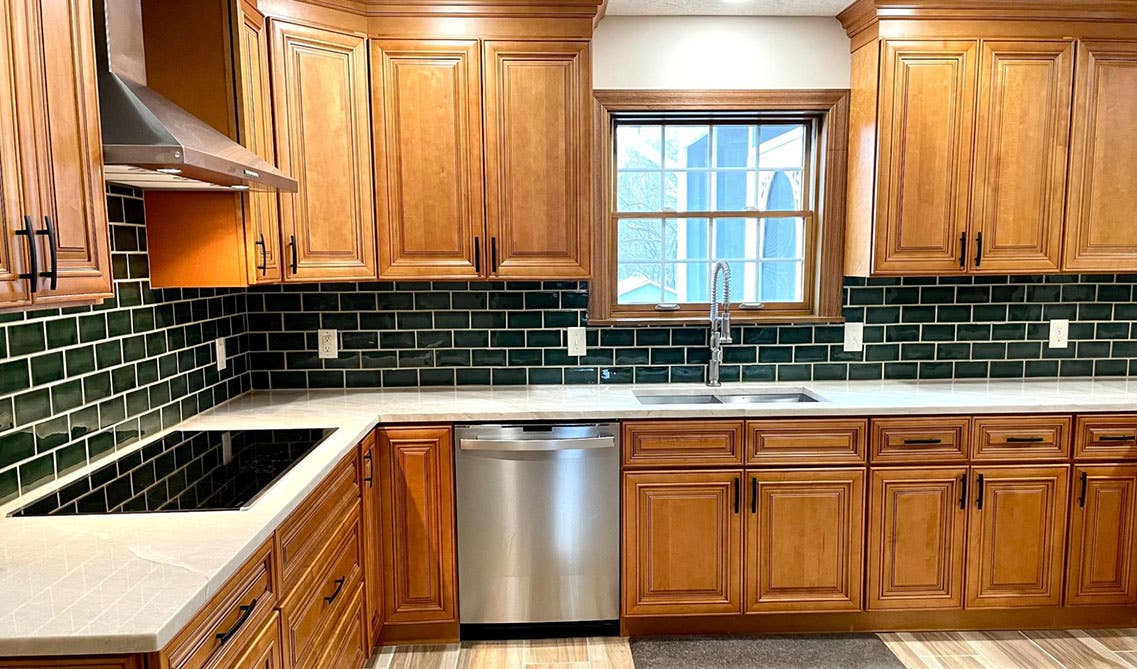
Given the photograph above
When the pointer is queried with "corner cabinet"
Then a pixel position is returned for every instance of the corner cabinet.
(320, 98)
(54, 242)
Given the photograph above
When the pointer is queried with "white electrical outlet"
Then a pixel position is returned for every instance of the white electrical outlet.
(577, 343)
(222, 358)
(854, 337)
(328, 343)
(1059, 333)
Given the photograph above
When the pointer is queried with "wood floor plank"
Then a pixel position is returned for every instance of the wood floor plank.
(492, 655)
(904, 652)
(610, 652)
(940, 644)
(1116, 639)
(1075, 650)
(436, 656)
(1011, 650)
(546, 651)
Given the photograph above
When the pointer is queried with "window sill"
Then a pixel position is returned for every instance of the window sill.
(736, 318)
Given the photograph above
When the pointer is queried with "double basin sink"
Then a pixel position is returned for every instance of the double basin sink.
(726, 397)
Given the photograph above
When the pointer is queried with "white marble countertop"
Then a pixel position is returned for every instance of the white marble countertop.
(128, 583)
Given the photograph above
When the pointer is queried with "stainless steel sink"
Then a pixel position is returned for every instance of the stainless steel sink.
(726, 398)
(766, 398)
(677, 399)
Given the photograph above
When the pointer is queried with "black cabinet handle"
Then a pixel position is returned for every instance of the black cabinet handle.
(734, 486)
(963, 249)
(1118, 437)
(493, 255)
(922, 442)
(52, 274)
(478, 255)
(33, 254)
(978, 249)
(753, 495)
(370, 478)
(292, 247)
(963, 491)
(263, 267)
(246, 611)
(1085, 489)
(979, 497)
(332, 597)
(1024, 440)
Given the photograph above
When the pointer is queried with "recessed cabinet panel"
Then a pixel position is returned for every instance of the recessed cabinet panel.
(1103, 536)
(1100, 234)
(426, 102)
(13, 247)
(927, 106)
(1022, 132)
(538, 158)
(320, 99)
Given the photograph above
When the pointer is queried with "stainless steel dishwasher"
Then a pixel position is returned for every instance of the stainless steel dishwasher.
(538, 524)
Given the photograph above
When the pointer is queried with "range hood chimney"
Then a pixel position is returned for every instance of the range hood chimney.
(150, 142)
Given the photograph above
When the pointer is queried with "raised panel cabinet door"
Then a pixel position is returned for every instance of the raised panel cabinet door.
(917, 537)
(538, 146)
(1021, 143)
(1016, 536)
(1102, 568)
(261, 209)
(418, 525)
(63, 166)
(320, 101)
(927, 115)
(682, 543)
(13, 236)
(1100, 234)
(372, 550)
(263, 652)
(804, 540)
(427, 107)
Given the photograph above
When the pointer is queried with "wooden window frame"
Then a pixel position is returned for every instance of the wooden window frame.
(829, 106)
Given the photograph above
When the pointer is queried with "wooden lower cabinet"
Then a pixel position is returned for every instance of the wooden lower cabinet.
(371, 519)
(805, 540)
(1103, 536)
(682, 543)
(916, 538)
(1016, 536)
(263, 652)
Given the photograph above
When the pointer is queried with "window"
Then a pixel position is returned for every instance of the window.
(689, 187)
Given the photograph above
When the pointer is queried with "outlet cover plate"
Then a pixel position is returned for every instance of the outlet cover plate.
(328, 342)
(222, 357)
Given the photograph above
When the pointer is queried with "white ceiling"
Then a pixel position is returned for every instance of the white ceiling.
(726, 7)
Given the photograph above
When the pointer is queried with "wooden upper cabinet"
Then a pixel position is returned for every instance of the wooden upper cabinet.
(417, 471)
(804, 540)
(14, 291)
(926, 107)
(917, 538)
(62, 154)
(538, 158)
(320, 99)
(426, 102)
(261, 209)
(1102, 568)
(682, 543)
(1022, 134)
(1100, 234)
(1016, 536)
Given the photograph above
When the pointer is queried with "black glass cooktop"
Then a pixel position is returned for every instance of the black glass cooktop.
(185, 471)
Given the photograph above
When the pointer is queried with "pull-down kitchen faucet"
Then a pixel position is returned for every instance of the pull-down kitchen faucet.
(720, 321)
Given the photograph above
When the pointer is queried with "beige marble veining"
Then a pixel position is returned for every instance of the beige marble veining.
(128, 583)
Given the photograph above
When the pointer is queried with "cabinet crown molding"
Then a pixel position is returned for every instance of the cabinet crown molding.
(864, 13)
(465, 8)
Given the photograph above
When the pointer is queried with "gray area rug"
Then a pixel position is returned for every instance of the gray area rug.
(824, 651)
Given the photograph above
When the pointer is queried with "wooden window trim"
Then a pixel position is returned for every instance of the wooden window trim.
(832, 106)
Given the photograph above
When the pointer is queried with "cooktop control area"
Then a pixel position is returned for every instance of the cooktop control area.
(185, 471)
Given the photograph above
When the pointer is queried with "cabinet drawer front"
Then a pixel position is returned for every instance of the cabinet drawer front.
(682, 443)
(346, 646)
(1106, 438)
(238, 612)
(309, 529)
(313, 612)
(261, 652)
(920, 440)
(792, 442)
(1021, 438)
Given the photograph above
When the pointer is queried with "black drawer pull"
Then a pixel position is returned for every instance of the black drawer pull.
(295, 256)
(1085, 487)
(735, 486)
(1118, 437)
(493, 255)
(332, 597)
(963, 491)
(260, 243)
(478, 255)
(753, 495)
(922, 442)
(53, 274)
(370, 478)
(33, 255)
(979, 249)
(963, 250)
(1025, 440)
(979, 497)
(246, 611)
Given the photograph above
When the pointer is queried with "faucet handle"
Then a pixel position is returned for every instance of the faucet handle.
(724, 319)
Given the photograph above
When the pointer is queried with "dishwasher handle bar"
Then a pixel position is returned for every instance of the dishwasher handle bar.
(536, 444)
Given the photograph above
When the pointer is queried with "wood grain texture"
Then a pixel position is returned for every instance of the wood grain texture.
(371, 522)
(1021, 143)
(860, 204)
(320, 100)
(427, 128)
(263, 652)
(805, 442)
(916, 538)
(1106, 437)
(682, 543)
(1020, 438)
(195, 240)
(1102, 567)
(796, 513)
(14, 292)
(938, 440)
(1016, 541)
(683, 443)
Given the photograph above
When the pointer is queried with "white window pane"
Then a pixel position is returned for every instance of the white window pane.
(639, 191)
(783, 238)
(640, 240)
(687, 191)
(782, 147)
(735, 238)
(640, 284)
(781, 282)
(733, 146)
(639, 146)
(779, 190)
(687, 146)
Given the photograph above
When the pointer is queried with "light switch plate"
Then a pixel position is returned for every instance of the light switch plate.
(854, 337)
(328, 344)
(1059, 333)
(222, 358)
(577, 343)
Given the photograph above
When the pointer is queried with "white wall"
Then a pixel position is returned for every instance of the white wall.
(719, 52)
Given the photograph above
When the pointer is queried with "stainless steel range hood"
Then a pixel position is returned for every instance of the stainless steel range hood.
(150, 142)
